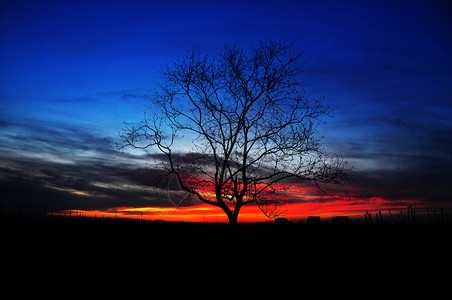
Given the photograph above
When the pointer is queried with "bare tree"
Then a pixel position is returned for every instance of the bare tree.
(253, 128)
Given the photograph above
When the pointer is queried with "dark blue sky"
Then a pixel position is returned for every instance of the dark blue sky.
(72, 71)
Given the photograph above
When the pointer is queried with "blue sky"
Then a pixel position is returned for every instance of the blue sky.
(71, 72)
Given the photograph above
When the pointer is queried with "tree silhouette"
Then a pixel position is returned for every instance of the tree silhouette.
(253, 128)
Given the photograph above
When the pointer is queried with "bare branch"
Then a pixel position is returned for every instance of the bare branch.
(252, 126)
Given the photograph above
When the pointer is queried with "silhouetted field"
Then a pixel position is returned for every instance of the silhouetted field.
(96, 246)
(89, 231)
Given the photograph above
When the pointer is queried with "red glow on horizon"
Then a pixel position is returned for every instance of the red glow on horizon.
(300, 203)
(251, 213)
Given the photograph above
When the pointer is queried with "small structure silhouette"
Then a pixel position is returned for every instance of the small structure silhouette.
(313, 220)
(281, 221)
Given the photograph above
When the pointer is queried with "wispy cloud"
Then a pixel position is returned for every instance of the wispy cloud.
(48, 166)
(400, 157)
(56, 166)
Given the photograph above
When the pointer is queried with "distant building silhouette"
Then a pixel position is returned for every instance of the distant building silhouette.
(281, 221)
(313, 220)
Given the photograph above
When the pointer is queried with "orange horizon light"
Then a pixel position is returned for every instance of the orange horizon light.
(248, 213)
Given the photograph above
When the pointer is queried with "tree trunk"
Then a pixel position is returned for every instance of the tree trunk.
(232, 215)
(232, 218)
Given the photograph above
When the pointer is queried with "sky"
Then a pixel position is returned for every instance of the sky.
(72, 72)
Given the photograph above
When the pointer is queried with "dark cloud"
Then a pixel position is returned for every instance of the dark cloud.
(37, 187)
(52, 141)
(401, 157)
(133, 94)
(48, 167)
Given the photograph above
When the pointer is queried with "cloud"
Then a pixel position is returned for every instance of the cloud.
(399, 150)
(48, 166)
(37, 186)
(410, 168)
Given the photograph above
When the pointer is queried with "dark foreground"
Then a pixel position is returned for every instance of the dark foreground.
(118, 233)
(62, 252)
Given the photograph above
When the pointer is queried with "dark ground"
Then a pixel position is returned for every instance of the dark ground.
(81, 257)
(115, 233)
(69, 254)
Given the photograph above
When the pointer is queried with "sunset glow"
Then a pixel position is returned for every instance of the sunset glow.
(251, 213)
